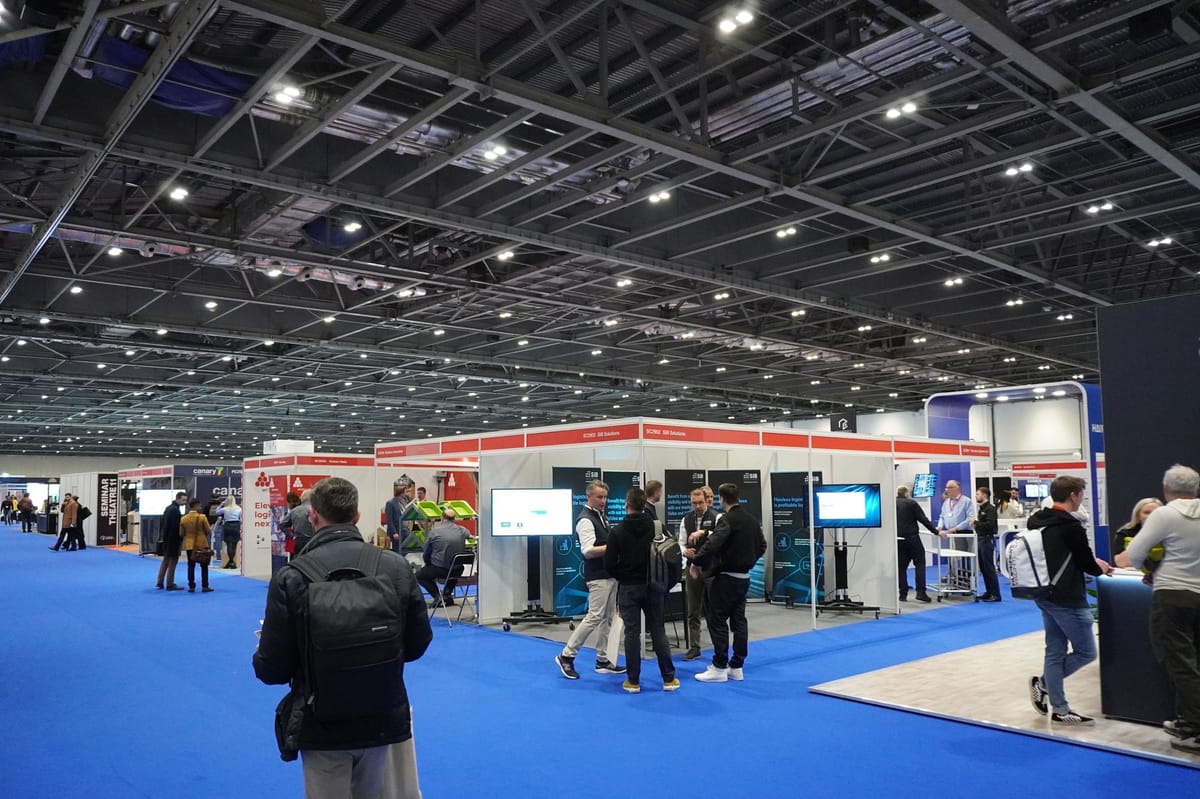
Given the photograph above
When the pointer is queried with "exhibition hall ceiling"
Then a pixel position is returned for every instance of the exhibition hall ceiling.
(366, 220)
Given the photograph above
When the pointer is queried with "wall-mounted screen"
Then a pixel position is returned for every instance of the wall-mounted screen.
(847, 505)
(531, 511)
(1037, 490)
(924, 485)
(153, 501)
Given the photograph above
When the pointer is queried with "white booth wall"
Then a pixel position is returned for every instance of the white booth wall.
(85, 487)
(503, 565)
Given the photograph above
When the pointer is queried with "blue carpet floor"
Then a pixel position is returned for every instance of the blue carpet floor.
(109, 688)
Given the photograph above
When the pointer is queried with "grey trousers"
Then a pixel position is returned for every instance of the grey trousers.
(602, 606)
(345, 773)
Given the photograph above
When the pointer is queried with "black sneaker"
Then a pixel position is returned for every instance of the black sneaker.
(1187, 744)
(1179, 728)
(1073, 719)
(608, 667)
(923, 598)
(567, 666)
(1037, 694)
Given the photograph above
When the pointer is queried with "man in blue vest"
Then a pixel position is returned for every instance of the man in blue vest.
(591, 528)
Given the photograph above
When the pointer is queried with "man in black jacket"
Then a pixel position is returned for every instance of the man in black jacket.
(345, 757)
(730, 552)
(1065, 612)
(909, 514)
(172, 541)
(627, 560)
(986, 527)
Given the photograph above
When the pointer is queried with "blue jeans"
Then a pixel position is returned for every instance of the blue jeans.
(1063, 626)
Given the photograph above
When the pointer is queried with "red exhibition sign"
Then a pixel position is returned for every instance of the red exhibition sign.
(504, 442)
(460, 445)
(851, 444)
(976, 450)
(335, 460)
(700, 435)
(791, 440)
(582, 435)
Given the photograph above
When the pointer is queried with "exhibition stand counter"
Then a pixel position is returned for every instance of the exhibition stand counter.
(1133, 686)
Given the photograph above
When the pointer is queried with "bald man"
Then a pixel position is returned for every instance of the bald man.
(957, 516)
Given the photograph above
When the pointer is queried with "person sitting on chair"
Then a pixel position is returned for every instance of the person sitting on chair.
(445, 541)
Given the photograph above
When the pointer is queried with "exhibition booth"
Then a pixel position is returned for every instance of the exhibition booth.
(97, 491)
(145, 493)
(853, 480)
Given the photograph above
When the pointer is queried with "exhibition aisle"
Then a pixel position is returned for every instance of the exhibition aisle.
(114, 689)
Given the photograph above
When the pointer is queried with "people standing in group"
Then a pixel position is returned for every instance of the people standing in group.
(693, 528)
(172, 542)
(361, 745)
(230, 514)
(1009, 507)
(986, 527)
(654, 490)
(25, 510)
(728, 554)
(68, 517)
(627, 560)
(591, 532)
(397, 528)
(1066, 617)
(1175, 603)
(444, 542)
(195, 530)
(1141, 512)
(910, 547)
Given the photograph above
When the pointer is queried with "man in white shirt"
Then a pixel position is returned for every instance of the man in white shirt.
(591, 529)
(957, 516)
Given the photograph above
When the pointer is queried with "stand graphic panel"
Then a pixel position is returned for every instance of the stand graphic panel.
(570, 590)
(749, 483)
(619, 484)
(108, 514)
(678, 485)
(793, 560)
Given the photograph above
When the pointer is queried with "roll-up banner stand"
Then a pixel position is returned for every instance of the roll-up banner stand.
(749, 483)
(793, 561)
(678, 485)
(570, 590)
(107, 511)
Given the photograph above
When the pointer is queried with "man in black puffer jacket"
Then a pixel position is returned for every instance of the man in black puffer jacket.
(627, 560)
(345, 752)
(730, 552)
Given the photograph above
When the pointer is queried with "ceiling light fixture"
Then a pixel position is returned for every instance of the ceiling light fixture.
(522, 342)
(882, 258)
(920, 339)
(352, 226)
(624, 283)
(275, 272)
(494, 151)
(1060, 393)
(953, 281)
(1015, 302)
(1065, 317)
(178, 193)
(784, 232)
(210, 305)
(659, 196)
(329, 320)
(799, 312)
(721, 295)
(1158, 242)
(162, 331)
(506, 255)
(76, 289)
(863, 328)
(45, 320)
(115, 251)
(439, 332)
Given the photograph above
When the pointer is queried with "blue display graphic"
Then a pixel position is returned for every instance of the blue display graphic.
(847, 505)
(568, 586)
(619, 484)
(793, 563)
(924, 486)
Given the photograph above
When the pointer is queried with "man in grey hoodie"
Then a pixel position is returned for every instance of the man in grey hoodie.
(1175, 606)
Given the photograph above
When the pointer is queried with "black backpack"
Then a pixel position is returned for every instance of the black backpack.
(84, 512)
(354, 648)
(666, 559)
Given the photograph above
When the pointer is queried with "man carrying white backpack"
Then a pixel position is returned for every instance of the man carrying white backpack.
(1065, 612)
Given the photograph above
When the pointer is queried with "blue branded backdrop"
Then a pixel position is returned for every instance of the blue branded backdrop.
(794, 561)
(749, 483)
(570, 590)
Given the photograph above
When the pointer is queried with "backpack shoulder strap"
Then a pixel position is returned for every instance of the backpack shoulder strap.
(369, 560)
(659, 530)
(311, 571)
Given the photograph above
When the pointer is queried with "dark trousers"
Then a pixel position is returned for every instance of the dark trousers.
(632, 602)
(26, 521)
(231, 545)
(428, 575)
(693, 592)
(1175, 636)
(987, 564)
(192, 572)
(727, 611)
(911, 550)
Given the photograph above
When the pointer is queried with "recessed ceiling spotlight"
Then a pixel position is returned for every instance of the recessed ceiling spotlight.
(1012, 171)
(1002, 398)
(812, 357)
(799, 312)
(909, 108)
(1106, 206)
(76, 289)
(597, 352)
(856, 388)
(920, 339)
(162, 331)
(178, 193)
(1158, 242)
(45, 320)
(953, 281)
(268, 343)
(863, 328)
(1065, 317)
(894, 394)
(1060, 393)
(663, 361)
(659, 196)
(624, 283)
(721, 295)
(275, 272)
(506, 255)
(100, 365)
(494, 151)
(128, 354)
(522, 342)
(505, 314)
(352, 226)
(329, 320)
(882, 258)
(1044, 367)
(1026, 167)
(439, 332)
(1039, 390)
(115, 251)
(210, 305)
(784, 232)
(1010, 359)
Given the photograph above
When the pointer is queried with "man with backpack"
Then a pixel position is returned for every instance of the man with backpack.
(341, 621)
(1065, 612)
(632, 559)
(729, 553)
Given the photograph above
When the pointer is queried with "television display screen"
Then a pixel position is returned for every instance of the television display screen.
(924, 485)
(847, 505)
(531, 511)
(153, 501)
(1036, 490)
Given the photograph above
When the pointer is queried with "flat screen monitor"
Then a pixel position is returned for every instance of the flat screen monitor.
(1036, 490)
(847, 505)
(531, 511)
(924, 485)
(153, 501)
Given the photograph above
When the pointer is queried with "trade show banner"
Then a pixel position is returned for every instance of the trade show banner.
(794, 563)
(678, 485)
(107, 512)
(749, 483)
(619, 484)
(570, 590)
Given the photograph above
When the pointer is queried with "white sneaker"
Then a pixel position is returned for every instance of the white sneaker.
(737, 674)
(713, 674)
